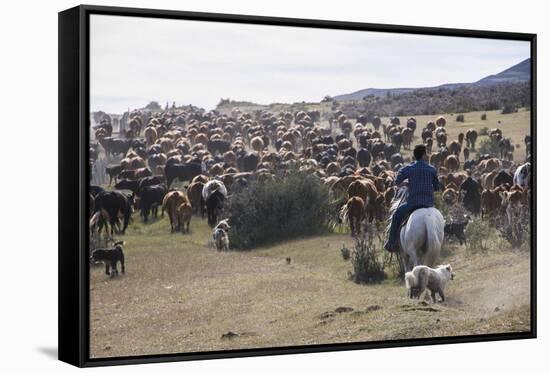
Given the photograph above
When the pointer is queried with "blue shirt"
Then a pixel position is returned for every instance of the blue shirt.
(423, 181)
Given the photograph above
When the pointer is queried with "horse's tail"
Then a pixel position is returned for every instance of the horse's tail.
(95, 219)
(344, 213)
(434, 237)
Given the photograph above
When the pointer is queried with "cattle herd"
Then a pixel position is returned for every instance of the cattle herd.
(186, 162)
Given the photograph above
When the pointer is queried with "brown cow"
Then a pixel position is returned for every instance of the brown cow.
(363, 188)
(184, 212)
(172, 200)
(490, 201)
(194, 193)
(452, 163)
(353, 211)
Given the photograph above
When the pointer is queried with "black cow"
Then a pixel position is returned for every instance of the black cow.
(113, 172)
(247, 162)
(115, 203)
(397, 139)
(149, 180)
(115, 146)
(472, 198)
(363, 140)
(396, 159)
(218, 146)
(95, 190)
(214, 207)
(126, 184)
(182, 172)
(389, 150)
(351, 152)
(150, 198)
(364, 157)
(502, 178)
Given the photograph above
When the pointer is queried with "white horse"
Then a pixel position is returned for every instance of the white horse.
(421, 237)
(211, 186)
(522, 176)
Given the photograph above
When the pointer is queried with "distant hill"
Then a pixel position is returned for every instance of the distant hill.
(517, 73)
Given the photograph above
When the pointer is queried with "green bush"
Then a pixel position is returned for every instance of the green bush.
(460, 118)
(514, 226)
(490, 147)
(367, 268)
(269, 211)
(484, 131)
(478, 235)
(483, 116)
(509, 109)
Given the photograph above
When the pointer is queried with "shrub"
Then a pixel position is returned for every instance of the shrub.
(268, 211)
(484, 131)
(366, 264)
(460, 118)
(508, 109)
(367, 268)
(490, 147)
(484, 116)
(514, 226)
(477, 235)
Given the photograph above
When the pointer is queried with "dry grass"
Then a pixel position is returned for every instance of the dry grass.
(179, 295)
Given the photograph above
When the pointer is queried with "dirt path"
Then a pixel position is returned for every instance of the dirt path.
(180, 296)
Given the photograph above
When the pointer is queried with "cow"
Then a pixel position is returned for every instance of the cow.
(452, 163)
(170, 203)
(182, 172)
(150, 198)
(218, 146)
(491, 201)
(503, 178)
(364, 157)
(353, 212)
(194, 193)
(135, 173)
(472, 197)
(471, 138)
(214, 206)
(113, 172)
(115, 203)
(185, 211)
(125, 184)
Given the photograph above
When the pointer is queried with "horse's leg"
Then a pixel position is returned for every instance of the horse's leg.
(434, 296)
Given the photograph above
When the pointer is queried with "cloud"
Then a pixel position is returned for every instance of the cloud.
(134, 60)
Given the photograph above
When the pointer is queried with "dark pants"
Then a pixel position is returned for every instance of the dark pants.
(399, 215)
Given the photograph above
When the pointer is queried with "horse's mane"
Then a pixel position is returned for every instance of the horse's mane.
(399, 198)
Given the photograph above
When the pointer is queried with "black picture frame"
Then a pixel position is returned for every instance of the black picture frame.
(74, 176)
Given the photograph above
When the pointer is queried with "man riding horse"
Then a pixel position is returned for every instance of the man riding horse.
(422, 182)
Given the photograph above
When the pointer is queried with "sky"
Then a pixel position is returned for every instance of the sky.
(136, 60)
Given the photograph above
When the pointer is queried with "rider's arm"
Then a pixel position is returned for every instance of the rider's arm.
(402, 175)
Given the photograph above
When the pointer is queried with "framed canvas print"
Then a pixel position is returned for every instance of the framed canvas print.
(237, 185)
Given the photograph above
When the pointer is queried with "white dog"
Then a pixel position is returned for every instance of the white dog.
(422, 277)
